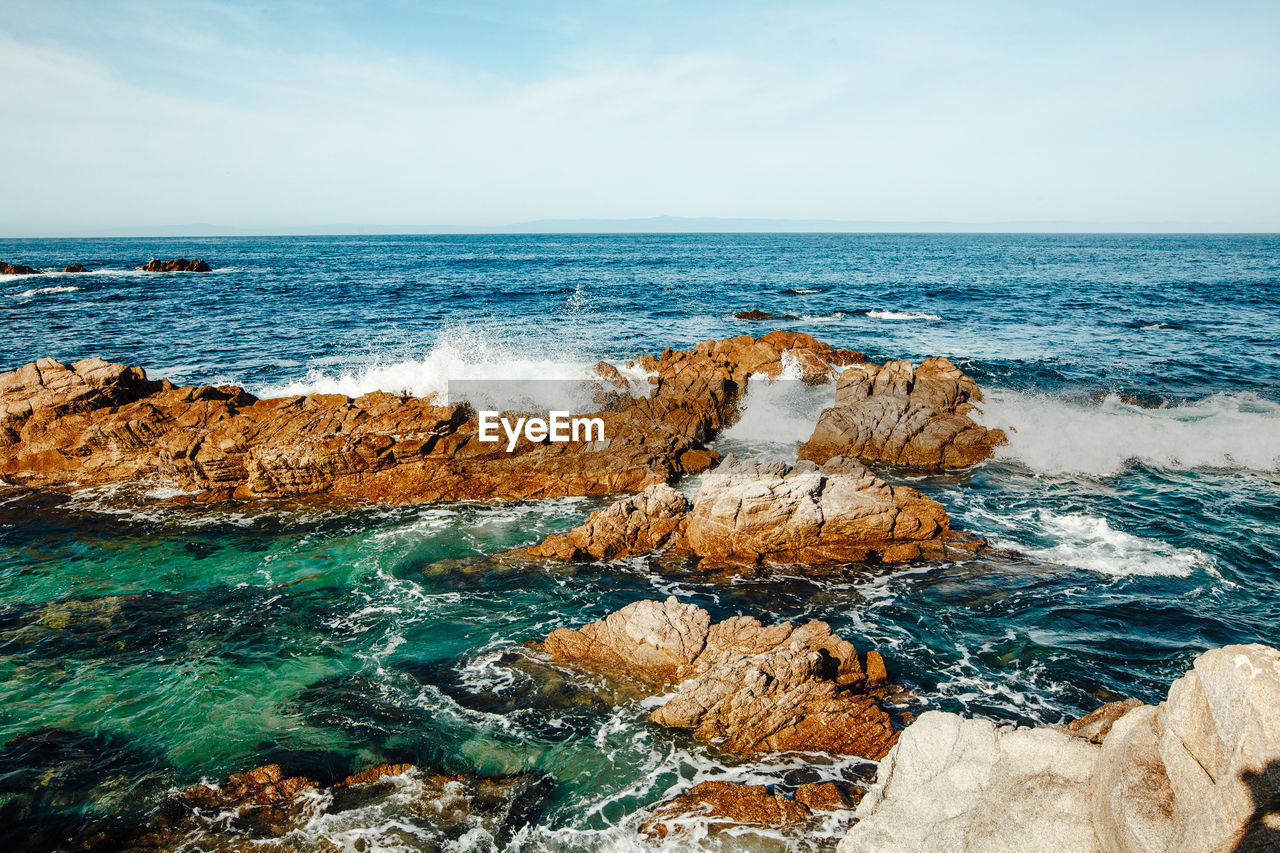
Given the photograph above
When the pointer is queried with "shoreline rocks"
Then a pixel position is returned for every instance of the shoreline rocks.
(93, 422)
(1199, 772)
(725, 805)
(913, 417)
(176, 265)
(738, 684)
(746, 513)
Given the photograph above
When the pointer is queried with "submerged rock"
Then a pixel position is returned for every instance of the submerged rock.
(396, 803)
(743, 686)
(746, 513)
(1199, 772)
(916, 417)
(716, 806)
(176, 265)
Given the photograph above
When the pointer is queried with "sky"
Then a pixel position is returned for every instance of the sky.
(293, 114)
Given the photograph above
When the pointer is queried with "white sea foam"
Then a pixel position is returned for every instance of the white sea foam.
(42, 291)
(458, 357)
(823, 319)
(777, 414)
(902, 315)
(1089, 542)
(1051, 435)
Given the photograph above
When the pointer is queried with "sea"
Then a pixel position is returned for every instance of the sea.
(147, 644)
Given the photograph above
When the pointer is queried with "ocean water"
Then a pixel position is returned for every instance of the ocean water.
(145, 646)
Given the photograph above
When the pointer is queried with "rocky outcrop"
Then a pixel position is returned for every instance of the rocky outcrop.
(255, 807)
(746, 513)
(915, 417)
(745, 687)
(74, 268)
(95, 422)
(176, 265)
(16, 269)
(1199, 772)
(755, 314)
(716, 806)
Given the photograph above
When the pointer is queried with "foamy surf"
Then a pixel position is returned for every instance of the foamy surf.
(42, 291)
(1089, 542)
(1052, 435)
(902, 315)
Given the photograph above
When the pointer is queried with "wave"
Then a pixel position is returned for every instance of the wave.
(902, 315)
(801, 291)
(833, 317)
(527, 372)
(41, 291)
(1052, 435)
(1090, 542)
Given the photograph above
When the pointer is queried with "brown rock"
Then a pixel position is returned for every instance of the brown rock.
(725, 803)
(16, 269)
(824, 797)
(746, 513)
(746, 687)
(74, 268)
(1095, 727)
(373, 774)
(756, 314)
(175, 265)
(897, 414)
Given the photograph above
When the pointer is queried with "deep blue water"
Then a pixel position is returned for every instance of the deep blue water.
(1140, 376)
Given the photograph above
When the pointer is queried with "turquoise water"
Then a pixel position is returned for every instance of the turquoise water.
(146, 645)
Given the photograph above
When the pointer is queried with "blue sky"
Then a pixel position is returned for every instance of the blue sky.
(296, 114)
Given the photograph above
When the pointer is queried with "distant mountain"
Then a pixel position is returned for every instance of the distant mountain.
(651, 225)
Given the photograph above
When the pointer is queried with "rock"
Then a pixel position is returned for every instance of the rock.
(638, 524)
(16, 269)
(725, 803)
(1219, 739)
(1095, 727)
(826, 796)
(743, 686)
(1199, 772)
(746, 513)
(176, 265)
(965, 785)
(900, 415)
(74, 268)
(265, 803)
(93, 422)
(757, 314)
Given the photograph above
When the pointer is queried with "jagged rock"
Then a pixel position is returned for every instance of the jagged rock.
(16, 269)
(637, 524)
(74, 268)
(746, 513)
(897, 414)
(965, 785)
(1095, 726)
(263, 804)
(743, 686)
(94, 422)
(1199, 772)
(176, 265)
(728, 804)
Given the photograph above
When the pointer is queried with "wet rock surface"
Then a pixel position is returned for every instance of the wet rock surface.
(914, 417)
(716, 806)
(268, 809)
(16, 269)
(743, 686)
(1199, 772)
(746, 513)
(176, 265)
(96, 422)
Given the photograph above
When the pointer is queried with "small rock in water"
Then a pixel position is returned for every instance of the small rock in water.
(176, 265)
